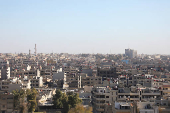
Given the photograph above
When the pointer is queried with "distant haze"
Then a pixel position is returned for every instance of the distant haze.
(85, 26)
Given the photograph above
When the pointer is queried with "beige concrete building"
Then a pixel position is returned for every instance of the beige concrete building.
(107, 72)
(9, 86)
(147, 107)
(22, 73)
(90, 80)
(103, 96)
(6, 102)
(36, 82)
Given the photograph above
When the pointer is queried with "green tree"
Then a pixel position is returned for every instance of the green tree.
(31, 99)
(61, 100)
(74, 99)
(16, 98)
(19, 100)
(66, 106)
(57, 99)
(23, 108)
(80, 109)
(32, 105)
(89, 110)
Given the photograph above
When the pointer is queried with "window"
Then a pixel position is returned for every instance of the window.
(107, 96)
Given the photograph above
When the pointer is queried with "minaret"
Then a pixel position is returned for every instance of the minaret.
(29, 52)
(35, 50)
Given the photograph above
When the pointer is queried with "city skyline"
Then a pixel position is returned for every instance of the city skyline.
(85, 26)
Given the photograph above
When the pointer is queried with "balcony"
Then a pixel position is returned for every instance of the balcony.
(134, 94)
(124, 94)
(100, 104)
(121, 99)
(100, 98)
(100, 109)
(123, 110)
(134, 98)
(101, 93)
(148, 99)
(147, 110)
(152, 93)
(166, 91)
(129, 93)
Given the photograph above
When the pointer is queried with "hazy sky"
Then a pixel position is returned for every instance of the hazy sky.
(85, 26)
